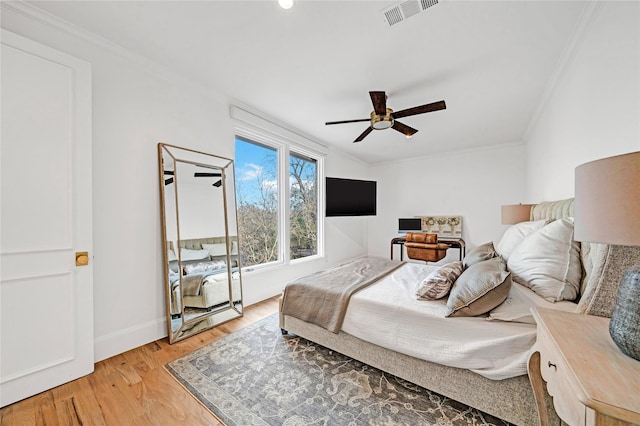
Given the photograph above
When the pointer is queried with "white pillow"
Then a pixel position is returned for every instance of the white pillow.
(548, 262)
(514, 236)
(171, 255)
(187, 254)
(217, 249)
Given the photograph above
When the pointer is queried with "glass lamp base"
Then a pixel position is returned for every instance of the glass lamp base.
(625, 319)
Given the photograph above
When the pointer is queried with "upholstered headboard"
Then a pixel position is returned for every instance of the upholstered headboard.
(602, 264)
(196, 243)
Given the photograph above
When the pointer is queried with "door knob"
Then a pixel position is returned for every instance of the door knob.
(82, 258)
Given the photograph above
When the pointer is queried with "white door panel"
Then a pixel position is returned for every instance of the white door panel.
(46, 301)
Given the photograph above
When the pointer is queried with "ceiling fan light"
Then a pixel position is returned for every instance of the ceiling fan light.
(408, 136)
(381, 124)
(285, 4)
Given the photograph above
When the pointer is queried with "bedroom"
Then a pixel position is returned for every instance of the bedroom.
(597, 64)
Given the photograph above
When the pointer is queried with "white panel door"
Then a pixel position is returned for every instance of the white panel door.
(46, 301)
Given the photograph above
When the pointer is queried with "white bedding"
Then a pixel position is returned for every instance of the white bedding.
(388, 314)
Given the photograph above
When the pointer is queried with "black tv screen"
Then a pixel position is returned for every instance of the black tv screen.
(350, 197)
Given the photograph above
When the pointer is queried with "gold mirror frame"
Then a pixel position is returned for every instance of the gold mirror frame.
(201, 292)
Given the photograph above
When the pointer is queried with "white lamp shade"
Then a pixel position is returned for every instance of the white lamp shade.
(607, 201)
(516, 213)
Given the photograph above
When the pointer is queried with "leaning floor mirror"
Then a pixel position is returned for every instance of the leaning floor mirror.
(200, 240)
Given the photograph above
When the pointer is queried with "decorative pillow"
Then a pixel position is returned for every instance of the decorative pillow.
(548, 262)
(196, 268)
(439, 282)
(478, 254)
(480, 288)
(515, 235)
(173, 265)
(217, 249)
(188, 254)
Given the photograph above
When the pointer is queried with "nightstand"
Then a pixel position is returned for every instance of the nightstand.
(591, 381)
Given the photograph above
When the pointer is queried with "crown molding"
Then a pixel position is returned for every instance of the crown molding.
(587, 16)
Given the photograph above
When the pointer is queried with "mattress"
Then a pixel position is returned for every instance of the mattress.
(388, 314)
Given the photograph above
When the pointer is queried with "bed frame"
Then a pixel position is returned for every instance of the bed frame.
(510, 399)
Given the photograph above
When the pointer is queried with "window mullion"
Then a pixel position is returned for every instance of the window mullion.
(285, 207)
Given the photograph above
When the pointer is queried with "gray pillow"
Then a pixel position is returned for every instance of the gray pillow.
(479, 289)
(439, 282)
(478, 254)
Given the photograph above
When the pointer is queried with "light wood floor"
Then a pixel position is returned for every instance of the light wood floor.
(132, 388)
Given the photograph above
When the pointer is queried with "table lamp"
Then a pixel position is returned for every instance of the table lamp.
(607, 210)
(516, 213)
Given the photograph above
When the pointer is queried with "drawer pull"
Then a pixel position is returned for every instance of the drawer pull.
(552, 365)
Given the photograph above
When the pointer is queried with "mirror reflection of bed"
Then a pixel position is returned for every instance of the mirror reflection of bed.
(202, 269)
(205, 277)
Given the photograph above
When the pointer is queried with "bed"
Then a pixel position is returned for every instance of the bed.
(204, 273)
(477, 360)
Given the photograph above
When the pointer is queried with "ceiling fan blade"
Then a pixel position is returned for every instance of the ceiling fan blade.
(168, 181)
(364, 134)
(347, 121)
(202, 174)
(169, 172)
(435, 106)
(379, 100)
(403, 128)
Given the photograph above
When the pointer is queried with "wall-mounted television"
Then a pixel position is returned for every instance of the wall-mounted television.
(350, 197)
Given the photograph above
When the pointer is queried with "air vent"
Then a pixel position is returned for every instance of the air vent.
(405, 9)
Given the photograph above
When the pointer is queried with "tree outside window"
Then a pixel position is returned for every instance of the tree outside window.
(303, 209)
(259, 213)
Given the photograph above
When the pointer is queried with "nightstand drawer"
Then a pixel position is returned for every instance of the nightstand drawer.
(558, 377)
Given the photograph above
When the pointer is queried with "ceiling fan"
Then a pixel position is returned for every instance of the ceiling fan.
(384, 118)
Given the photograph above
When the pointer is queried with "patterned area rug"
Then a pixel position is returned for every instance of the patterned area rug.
(257, 376)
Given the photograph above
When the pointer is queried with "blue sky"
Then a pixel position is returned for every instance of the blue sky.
(250, 162)
(255, 166)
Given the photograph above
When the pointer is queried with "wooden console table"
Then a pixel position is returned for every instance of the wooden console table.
(452, 242)
(591, 381)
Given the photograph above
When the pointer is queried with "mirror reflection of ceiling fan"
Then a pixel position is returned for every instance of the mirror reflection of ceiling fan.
(384, 118)
(202, 174)
(168, 181)
(217, 184)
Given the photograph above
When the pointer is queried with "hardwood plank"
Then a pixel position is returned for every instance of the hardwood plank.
(46, 411)
(131, 388)
(19, 414)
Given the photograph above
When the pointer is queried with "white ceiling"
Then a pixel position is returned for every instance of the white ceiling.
(489, 60)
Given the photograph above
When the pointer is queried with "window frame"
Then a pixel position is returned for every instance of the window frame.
(279, 138)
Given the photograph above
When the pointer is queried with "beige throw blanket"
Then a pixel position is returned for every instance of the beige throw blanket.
(322, 298)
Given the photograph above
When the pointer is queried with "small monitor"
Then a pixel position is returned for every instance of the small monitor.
(412, 224)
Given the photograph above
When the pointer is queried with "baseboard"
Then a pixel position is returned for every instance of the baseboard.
(129, 338)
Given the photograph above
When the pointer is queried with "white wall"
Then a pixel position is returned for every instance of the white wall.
(594, 109)
(472, 184)
(135, 106)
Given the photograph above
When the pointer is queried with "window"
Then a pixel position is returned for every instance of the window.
(277, 199)
(257, 201)
(303, 206)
